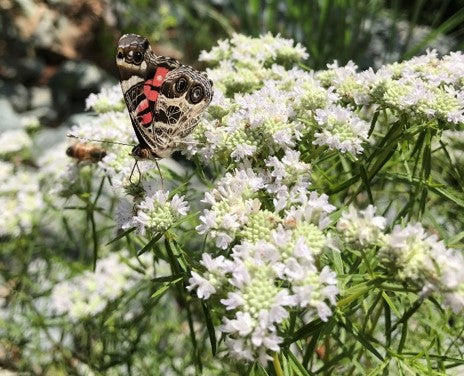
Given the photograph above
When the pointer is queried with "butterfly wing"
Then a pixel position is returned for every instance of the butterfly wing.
(183, 96)
(141, 75)
(164, 97)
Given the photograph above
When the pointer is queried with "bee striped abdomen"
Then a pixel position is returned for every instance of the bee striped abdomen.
(84, 152)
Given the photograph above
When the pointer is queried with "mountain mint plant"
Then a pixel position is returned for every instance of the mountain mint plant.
(312, 225)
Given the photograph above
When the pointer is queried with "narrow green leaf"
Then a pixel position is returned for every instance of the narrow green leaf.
(185, 219)
(174, 278)
(305, 331)
(392, 306)
(150, 244)
(285, 366)
(179, 189)
(121, 235)
(427, 156)
(387, 316)
(338, 262)
(193, 338)
(361, 338)
(311, 348)
(419, 144)
(296, 365)
(366, 183)
(456, 197)
(404, 333)
(454, 240)
(342, 186)
(176, 262)
(334, 361)
(408, 313)
(449, 24)
(161, 291)
(373, 122)
(210, 327)
(382, 158)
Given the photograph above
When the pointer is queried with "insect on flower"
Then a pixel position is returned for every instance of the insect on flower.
(164, 97)
(84, 152)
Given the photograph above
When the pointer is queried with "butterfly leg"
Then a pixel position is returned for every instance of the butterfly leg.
(161, 176)
(136, 165)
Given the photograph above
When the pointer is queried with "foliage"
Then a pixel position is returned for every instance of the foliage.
(300, 235)
(367, 32)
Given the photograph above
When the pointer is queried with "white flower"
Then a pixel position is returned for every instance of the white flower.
(13, 141)
(340, 129)
(204, 288)
(124, 214)
(243, 150)
(107, 100)
(157, 214)
(212, 279)
(413, 252)
(362, 228)
(89, 293)
(242, 324)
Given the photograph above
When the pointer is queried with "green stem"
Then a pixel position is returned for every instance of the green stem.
(277, 367)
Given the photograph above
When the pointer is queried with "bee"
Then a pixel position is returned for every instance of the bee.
(83, 152)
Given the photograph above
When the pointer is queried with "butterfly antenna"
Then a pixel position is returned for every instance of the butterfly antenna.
(161, 176)
(70, 135)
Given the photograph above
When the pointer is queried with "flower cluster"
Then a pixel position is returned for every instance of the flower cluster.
(242, 62)
(13, 142)
(361, 229)
(259, 284)
(88, 293)
(290, 111)
(409, 253)
(267, 231)
(155, 213)
(420, 257)
(424, 87)
(21, 199)
(109, 99)
(273, 265)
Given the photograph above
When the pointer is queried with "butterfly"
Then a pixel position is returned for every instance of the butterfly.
(164, 97)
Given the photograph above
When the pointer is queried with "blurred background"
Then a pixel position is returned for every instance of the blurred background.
(54, 53)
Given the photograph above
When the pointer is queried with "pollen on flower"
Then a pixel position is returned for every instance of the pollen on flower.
(259, 226)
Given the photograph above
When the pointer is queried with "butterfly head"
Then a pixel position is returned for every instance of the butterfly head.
(131, 55)
(140, 153)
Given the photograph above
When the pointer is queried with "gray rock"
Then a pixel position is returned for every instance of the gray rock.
(73, 83)
(30, 69)
(79, 118)
(50, 117)
(40, 97)
(47, 138)
(79, 76)
(39, 112)
(16, 94)
(26, 70)
(9, 119)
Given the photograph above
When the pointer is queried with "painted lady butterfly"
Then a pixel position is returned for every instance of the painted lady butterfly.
(164, 97)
